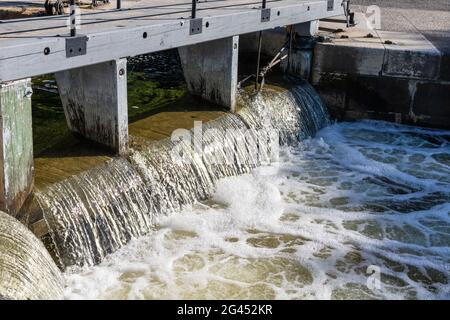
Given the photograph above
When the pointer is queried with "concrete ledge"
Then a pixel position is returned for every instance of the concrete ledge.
(411, 55)
(394, 76)
(348, 57)
(401, 100)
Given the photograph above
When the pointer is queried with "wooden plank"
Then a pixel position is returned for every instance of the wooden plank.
(25, 57)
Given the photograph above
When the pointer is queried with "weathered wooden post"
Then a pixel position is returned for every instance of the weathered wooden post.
(95, 102)
(16, 149)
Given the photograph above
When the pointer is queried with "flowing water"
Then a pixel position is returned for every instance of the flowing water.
(27, 272)
(360, 211)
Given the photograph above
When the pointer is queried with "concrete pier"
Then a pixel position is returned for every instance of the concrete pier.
(95, 102)
(16, 141)
(210, 70)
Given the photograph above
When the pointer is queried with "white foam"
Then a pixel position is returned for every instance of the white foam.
(306, 228)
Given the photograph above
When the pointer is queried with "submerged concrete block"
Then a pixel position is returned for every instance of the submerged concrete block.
(210, 70)
(95, 102)
(16, 138)
(401, 100)
(394, 76)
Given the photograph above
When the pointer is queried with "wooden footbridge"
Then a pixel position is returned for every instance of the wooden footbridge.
(88, 51)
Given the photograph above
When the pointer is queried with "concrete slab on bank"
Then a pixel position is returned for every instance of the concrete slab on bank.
(72, 156)
(391, 75)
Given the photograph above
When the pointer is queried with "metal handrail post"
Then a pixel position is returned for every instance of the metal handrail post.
(194, 9)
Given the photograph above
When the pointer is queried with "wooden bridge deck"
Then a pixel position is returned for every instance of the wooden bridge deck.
(35, 46)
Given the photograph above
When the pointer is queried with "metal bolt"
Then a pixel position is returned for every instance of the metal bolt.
(121, 71)
(28, 92)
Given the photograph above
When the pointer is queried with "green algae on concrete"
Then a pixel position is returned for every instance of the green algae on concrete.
(49, 122)
(145, 95)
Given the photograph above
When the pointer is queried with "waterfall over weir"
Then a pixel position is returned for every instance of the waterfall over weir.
(95, 213)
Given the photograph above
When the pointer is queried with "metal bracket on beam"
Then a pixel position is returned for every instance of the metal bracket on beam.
(330, 5)
(265, 15)
(76, 46)
(196, 26)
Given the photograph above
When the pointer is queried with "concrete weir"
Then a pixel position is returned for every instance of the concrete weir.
(90, 68)
(95, 102)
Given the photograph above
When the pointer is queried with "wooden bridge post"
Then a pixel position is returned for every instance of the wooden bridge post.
(16, 138)
(210, 70)
(95, 102)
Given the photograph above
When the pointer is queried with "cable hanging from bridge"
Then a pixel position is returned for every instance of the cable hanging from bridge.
(264, 4)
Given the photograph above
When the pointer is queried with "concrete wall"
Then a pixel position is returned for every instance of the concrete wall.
(16, 145)
(95, 102)
(393, 76)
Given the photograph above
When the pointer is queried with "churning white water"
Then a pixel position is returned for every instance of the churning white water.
(360, 211)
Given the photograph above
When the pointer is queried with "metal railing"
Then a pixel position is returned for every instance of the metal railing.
(72, 14)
